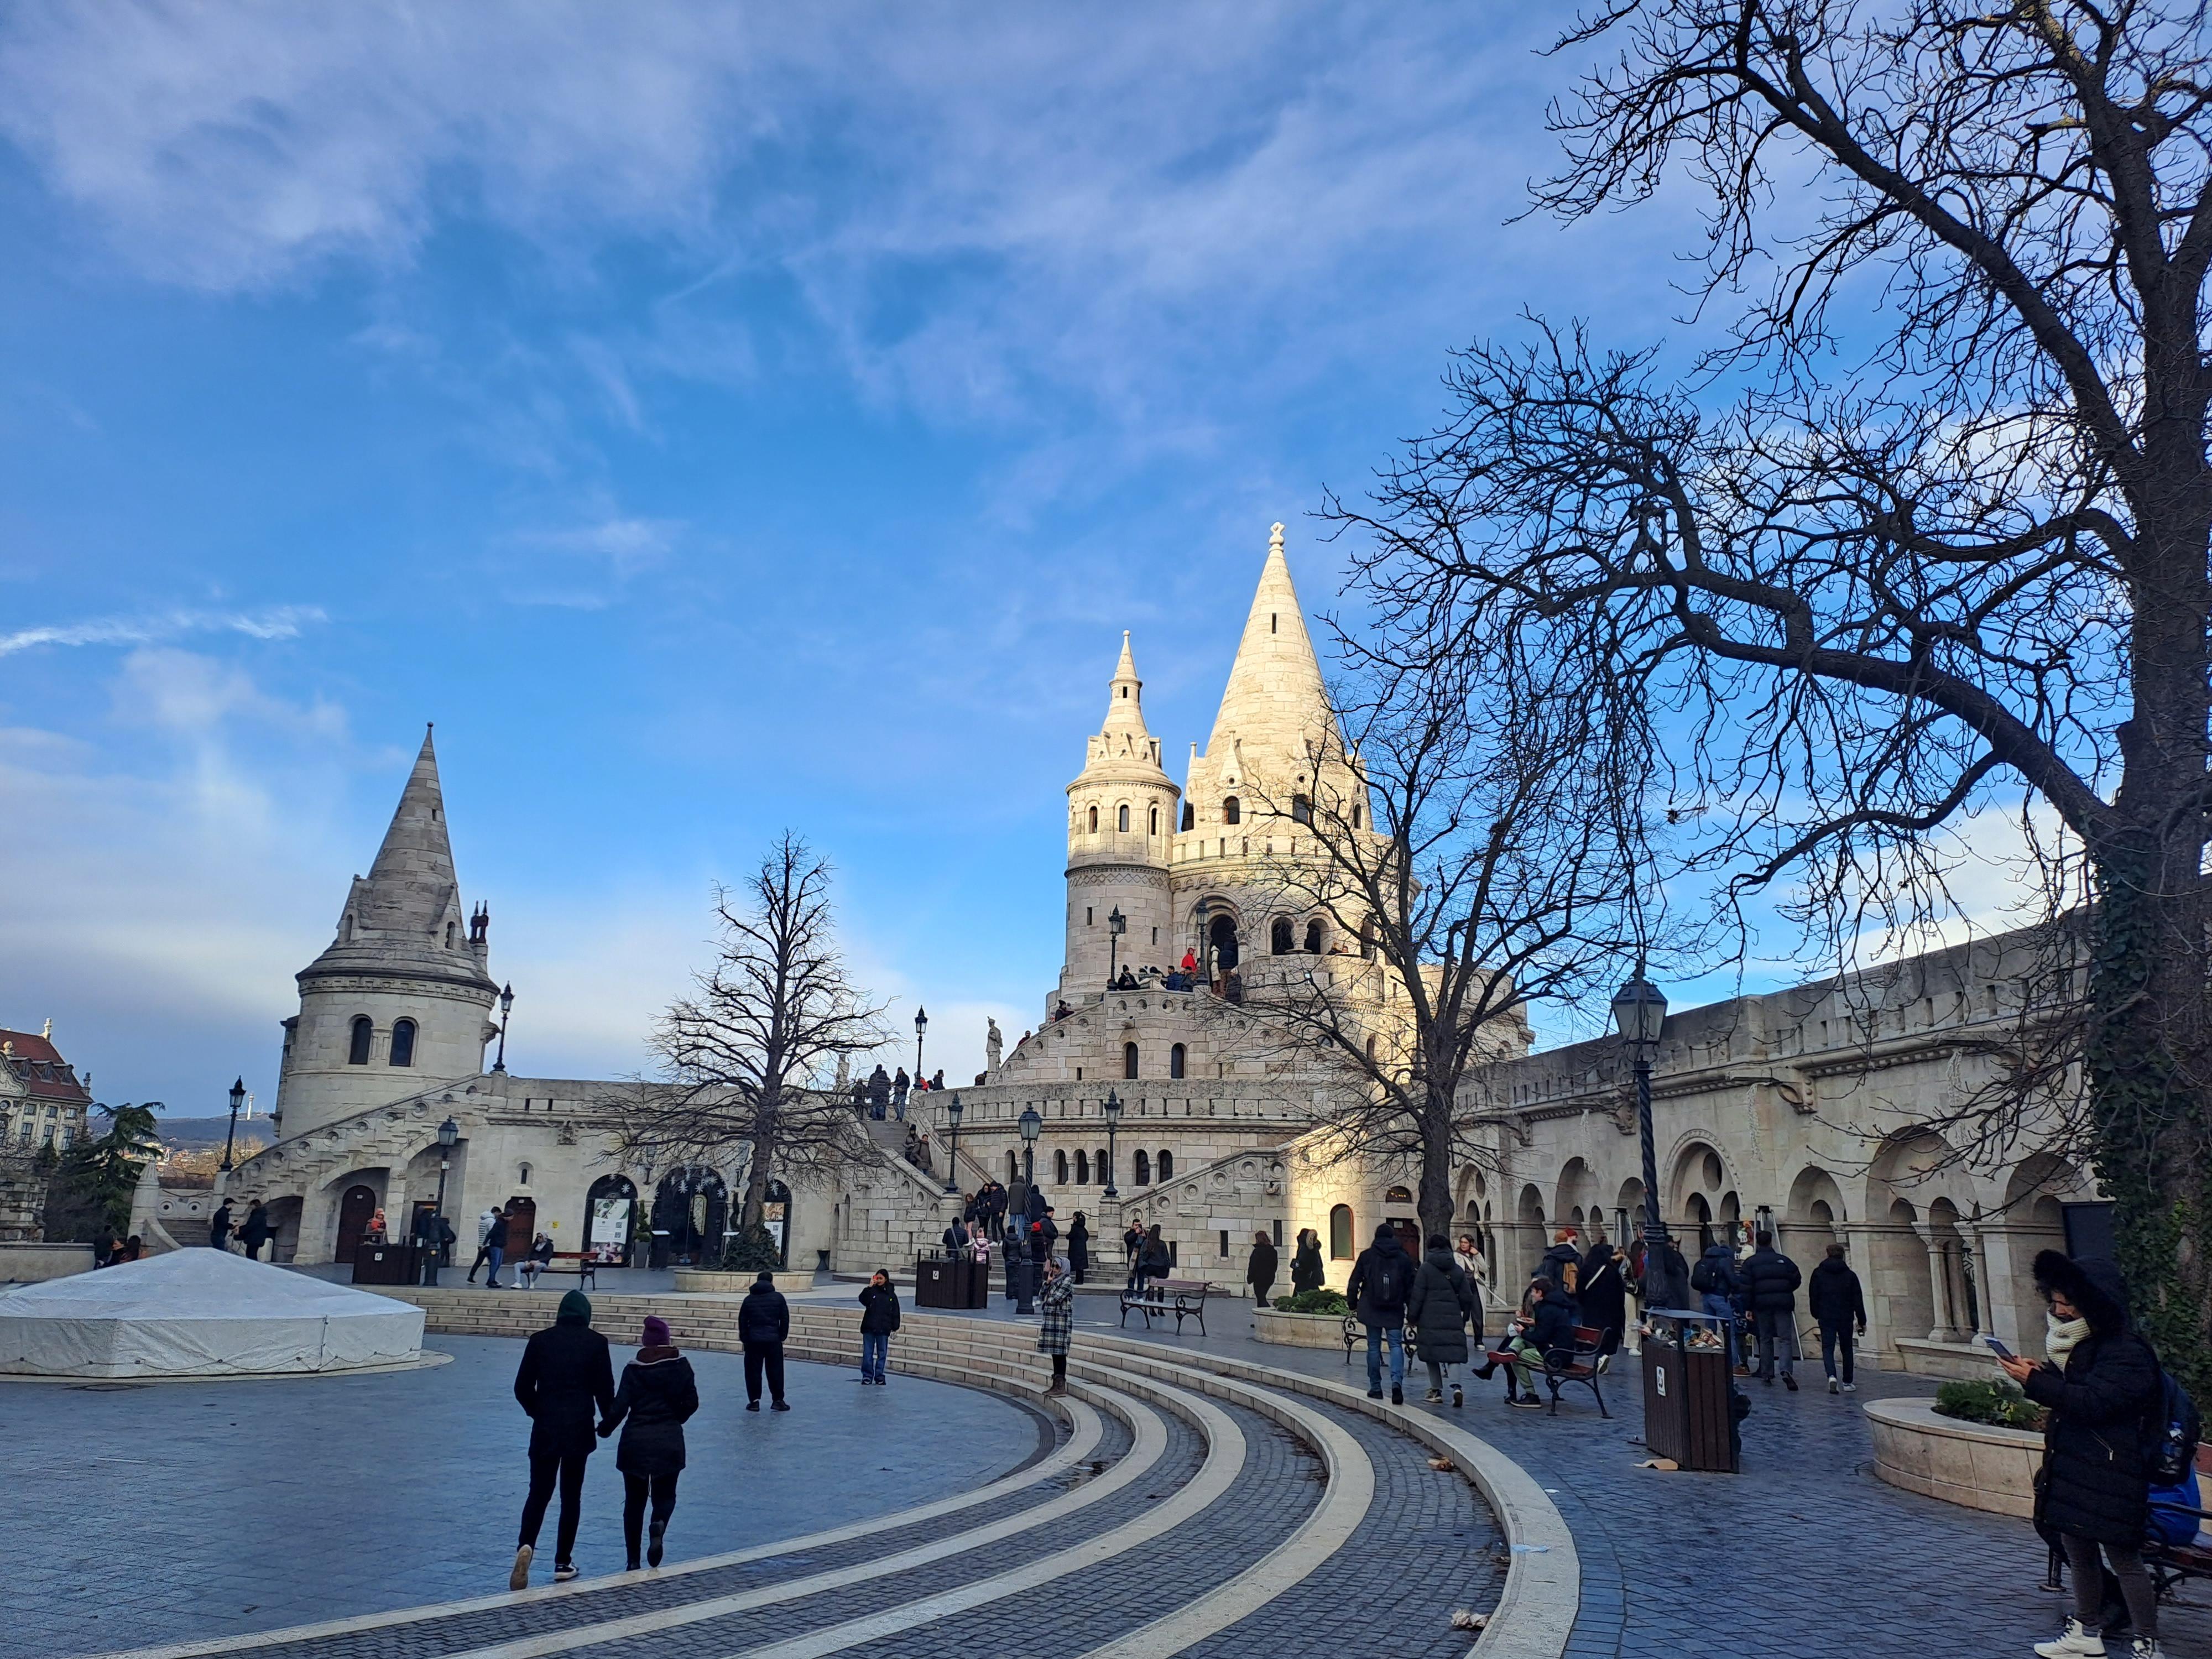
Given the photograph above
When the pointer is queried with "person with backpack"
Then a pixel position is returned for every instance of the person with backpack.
(2106, 1395)
(1602, 1295)
(1382, 1281)
(879, 1317)
(1441, 1303)
(1713, 1281)
(1835, 1301)
(1770, 1281)
(657, 1397)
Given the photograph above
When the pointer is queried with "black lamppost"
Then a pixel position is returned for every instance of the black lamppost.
(1116, 925)
(448, 1133)
(1113, 1110)
(506, 1008)
(921, 1024)
(952, 1164)
(1639, 1013)
(230, 1135)
(1032, 1126)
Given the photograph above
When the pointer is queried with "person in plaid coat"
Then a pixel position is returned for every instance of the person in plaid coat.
(1057, 1300)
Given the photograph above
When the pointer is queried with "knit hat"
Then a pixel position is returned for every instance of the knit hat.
(656, 1331)
(575, 1309)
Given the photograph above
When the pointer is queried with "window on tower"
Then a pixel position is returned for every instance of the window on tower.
(357, 1050)
(1232, 810)
(1279, 937)
(1313, 939)
(1156, 821)
(1300, 809)
(1128, 1060)
(1189, 815)
(1355, 817)
(403, 1042)
(1121, 819)
(1143, 1170)
(1176, 1057)
(1094, 820)
(1167, 1165)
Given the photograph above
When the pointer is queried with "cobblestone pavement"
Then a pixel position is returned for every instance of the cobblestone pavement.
(1804, 1555)
(141, 1513)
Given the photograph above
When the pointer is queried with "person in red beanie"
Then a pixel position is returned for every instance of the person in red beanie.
(657, 1397)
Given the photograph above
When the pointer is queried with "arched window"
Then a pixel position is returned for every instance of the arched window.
(1121, 822)
(1176, 1057)
(1339, 1232)
(403, 1042)
(1059, 1168)
(1189, 815)
(1167, 1165)
(357, 1051)
(1156, 820)
(1370, 1051)
(1128, 1060)
(348, 928)
(1143, 1170)
(1355, 817)
(1099, 1163)
(522, 1172)
(1313, 939)
(1083, 1169)
(449, 936)
(1302, 809)
(1278, 936)
(1231, 811)
(1094, 820)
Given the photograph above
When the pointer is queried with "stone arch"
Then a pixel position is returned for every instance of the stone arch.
(1898, 1280)
(1528, 1218)
(1698, 1179)
(2033, 1219)
(1576, 1195)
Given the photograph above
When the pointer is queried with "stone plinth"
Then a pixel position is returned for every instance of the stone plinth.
(1299, 1330)
(1977, 1464)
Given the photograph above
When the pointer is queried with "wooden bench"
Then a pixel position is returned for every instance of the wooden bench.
(1563, 1365)
(1183, 1297)
(585, 1270)
(2171, 1565)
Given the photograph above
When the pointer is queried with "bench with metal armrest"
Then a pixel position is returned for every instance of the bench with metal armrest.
(1183, 1297)
(1562, 1366)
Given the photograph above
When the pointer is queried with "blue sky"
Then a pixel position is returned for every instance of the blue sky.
(715, 419)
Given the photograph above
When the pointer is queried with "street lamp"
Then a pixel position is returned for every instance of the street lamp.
(1639, 1014)
(921, 1024)
(237, 1100)
(506, 1008)
(448, 1133)
(952, 1164)
(1032, 1126)
(1116, 925)
(1113, 1110)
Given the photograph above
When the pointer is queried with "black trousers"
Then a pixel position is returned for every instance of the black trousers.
(545, 1468)
(762, 1357)
(635, 1488)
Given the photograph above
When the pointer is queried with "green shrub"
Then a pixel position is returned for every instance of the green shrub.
(1999, 1404)
(1314, 1301)
(752, 1253)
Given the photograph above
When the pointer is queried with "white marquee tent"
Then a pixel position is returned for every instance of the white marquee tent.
(200, 1313)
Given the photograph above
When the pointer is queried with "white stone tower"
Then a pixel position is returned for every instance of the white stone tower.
(1120, 823)
(400, 999)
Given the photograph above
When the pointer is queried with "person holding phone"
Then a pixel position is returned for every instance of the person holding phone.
(2098, 1385)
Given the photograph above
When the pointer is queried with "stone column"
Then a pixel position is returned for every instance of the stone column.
(318, 1213)
(1941, 1297)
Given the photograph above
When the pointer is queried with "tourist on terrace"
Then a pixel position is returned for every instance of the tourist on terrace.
(1382, 1278)
(879, 1094)
(1602, 1292)
(1770, 1281)
(879, 1317)
(1260, 1270)
(2099, 1385)
(1838, 1303)
(900, 1084)
(1056, 1301)
(1563, 1255)
(1441, 1305)
(763, 1326)
(257, 1229)
(566, 1372)
(1078, 1246)
(1307, 1271)
(219, 1226)
(657, 1397)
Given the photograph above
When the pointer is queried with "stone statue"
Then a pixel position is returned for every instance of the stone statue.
(993, 1044)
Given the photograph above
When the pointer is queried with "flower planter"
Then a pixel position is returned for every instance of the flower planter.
(1299, 1330)
(722, 1284)
(1977, 1465)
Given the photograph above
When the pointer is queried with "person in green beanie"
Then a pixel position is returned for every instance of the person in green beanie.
(567, 1383)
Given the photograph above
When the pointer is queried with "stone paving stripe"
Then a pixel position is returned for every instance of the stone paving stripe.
(1082, 1442)
(1224, 1460)
(1152, 1441)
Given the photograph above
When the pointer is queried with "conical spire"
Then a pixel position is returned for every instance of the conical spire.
(1276, 710)
(1123, 741)
(406, 915)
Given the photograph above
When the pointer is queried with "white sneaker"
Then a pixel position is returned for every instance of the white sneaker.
(2076, 1642)
(2146, 1647)
(520, 1579)
(1850, 1388)
(1604, 1364)
(1834, 1387)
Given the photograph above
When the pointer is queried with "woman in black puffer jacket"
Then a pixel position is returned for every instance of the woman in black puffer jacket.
(2101, 1386)
(657, 1397)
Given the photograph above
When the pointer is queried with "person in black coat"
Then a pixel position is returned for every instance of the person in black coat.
(1770, 1281)
(1307, 1271)
(879, 1317)
(219, 1226)
(657, 1397)
(1382, 1278)
(1078, 1246)
(255, 1233)
(1838, 1303)
(1439, 1307)
(1602, 1292)
(1260, 1271)
(566, 1373)
(495, 1249)
(2103, 1388)
(1548, 1325)
(763, 1326)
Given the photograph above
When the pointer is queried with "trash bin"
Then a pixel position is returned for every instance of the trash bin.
(1688, 1389)
(936, 1283)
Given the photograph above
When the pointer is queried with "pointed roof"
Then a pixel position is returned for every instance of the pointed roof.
(1125, 709)
(1276, 704)
(1123, 745)
(397, 918)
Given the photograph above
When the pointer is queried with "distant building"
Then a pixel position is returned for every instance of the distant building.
(43, 1104)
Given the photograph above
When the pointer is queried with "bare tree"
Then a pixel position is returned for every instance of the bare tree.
(1498, 869)
(1946, 542)
(747, 1060)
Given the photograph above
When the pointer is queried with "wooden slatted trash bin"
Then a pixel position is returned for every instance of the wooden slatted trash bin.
(1688, 1407)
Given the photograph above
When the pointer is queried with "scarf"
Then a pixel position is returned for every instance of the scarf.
(2062, 1337)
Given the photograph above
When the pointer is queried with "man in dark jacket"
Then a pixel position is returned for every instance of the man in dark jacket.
(880, 1318)
(566, 1383)
(1715, 1283)
(1834, 1297)
(1770, 1281)
(1549, 1324)
(219, 1226)
(763, 1324)
(1381, 1281)
(2099, 1384)
(496, 1251)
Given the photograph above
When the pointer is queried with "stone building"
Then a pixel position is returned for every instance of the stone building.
(43, 1106)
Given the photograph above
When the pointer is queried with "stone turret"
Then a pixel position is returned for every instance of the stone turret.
(1120, 823)
(400, 998)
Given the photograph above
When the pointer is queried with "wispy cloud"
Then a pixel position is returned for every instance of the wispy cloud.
(283, 622)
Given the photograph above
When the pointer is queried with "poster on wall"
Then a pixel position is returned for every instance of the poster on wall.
(609, 1228)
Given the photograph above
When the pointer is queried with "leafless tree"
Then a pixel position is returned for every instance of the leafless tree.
(1931, 531)
(746, 1061)
(1480, 855)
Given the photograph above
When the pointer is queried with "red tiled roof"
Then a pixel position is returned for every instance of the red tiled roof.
(39, 1066)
